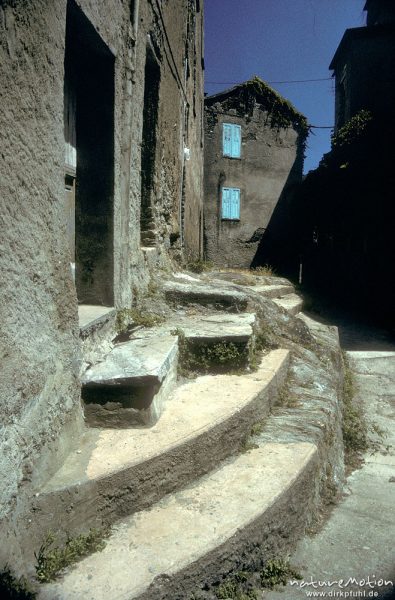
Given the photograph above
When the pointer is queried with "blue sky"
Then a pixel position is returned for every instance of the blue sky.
(281, 40)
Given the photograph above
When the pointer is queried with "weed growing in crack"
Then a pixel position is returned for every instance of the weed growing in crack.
(278, 571)
(51, 559)
(220, 357)
(263, 271)
(233, 589)
(132, 317)
(355, 427)
(200, 266)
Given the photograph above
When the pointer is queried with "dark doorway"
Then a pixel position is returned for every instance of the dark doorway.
(89, 137)
(148, 149)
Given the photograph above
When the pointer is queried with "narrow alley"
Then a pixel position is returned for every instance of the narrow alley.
(357, 540)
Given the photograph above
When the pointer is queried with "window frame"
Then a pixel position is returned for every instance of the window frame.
(231, 154)
(230, 217)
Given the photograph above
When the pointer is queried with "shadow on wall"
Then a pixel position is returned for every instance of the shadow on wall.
(278, 242)
(339, 224)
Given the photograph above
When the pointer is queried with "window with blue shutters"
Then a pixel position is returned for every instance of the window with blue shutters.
(230, 209)
(231, 138)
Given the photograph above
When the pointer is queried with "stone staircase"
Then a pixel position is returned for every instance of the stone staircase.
(166, 461)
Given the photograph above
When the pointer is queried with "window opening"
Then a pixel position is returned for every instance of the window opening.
(231, 140)
(231, 204)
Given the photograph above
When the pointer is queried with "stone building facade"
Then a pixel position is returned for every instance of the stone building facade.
(364, 63)
(101, 112)
(344, 214)
(253, 156)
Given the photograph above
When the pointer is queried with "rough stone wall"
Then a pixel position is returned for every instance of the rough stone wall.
(193, 213)
(269, 163)
(39, 390)
(369, 60)
(41, 414)
(178, 181)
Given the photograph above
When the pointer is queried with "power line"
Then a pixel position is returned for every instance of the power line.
(271, 82)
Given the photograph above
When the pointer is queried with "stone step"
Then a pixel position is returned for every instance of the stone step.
(193, 536)
(97, 330)
(218, 327)
(130, 385)
(217, 295)
(118, 472)
(274, 291)
(292, 303)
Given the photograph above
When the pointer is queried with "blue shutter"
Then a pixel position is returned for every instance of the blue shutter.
(231, 140)
(227, 140)
(236, 141)
(226, 203)
(231, 203)
(235, 204)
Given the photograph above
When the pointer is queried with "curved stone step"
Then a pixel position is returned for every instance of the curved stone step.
(118, 472)
(292, 303)
(192, 536)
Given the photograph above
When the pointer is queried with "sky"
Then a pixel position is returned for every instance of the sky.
(281, 40)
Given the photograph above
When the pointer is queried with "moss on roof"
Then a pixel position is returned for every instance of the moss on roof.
(281, 112)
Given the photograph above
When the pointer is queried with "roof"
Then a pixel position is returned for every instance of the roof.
(282, 112)
(359, 33)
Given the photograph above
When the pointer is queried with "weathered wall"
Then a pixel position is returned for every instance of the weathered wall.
(367, 57)
(177, 197)
(39, 390)
(40, 407)
(194, 138)
(265, 169)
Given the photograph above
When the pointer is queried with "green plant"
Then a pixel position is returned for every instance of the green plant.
(282, 113)
(277, 572)
(354, 425)
(134, 316)
(233, 589)
(258, 427)
(51, 559)
(263, 271)
(357, 431)
(218, 357)
(12, 588)
(352, 130)
(200, 266)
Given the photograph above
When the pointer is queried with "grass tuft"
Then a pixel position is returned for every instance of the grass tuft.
(355, 427)
(51, 559)
(127, 317)
(278, 572)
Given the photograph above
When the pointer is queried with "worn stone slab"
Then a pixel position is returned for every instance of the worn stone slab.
(143, 359)
(127, 388)
(116, 472)
(189, 536)
(92, 316)
(274, 291)
(215, 327)
(215, 294)
(292, 303)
